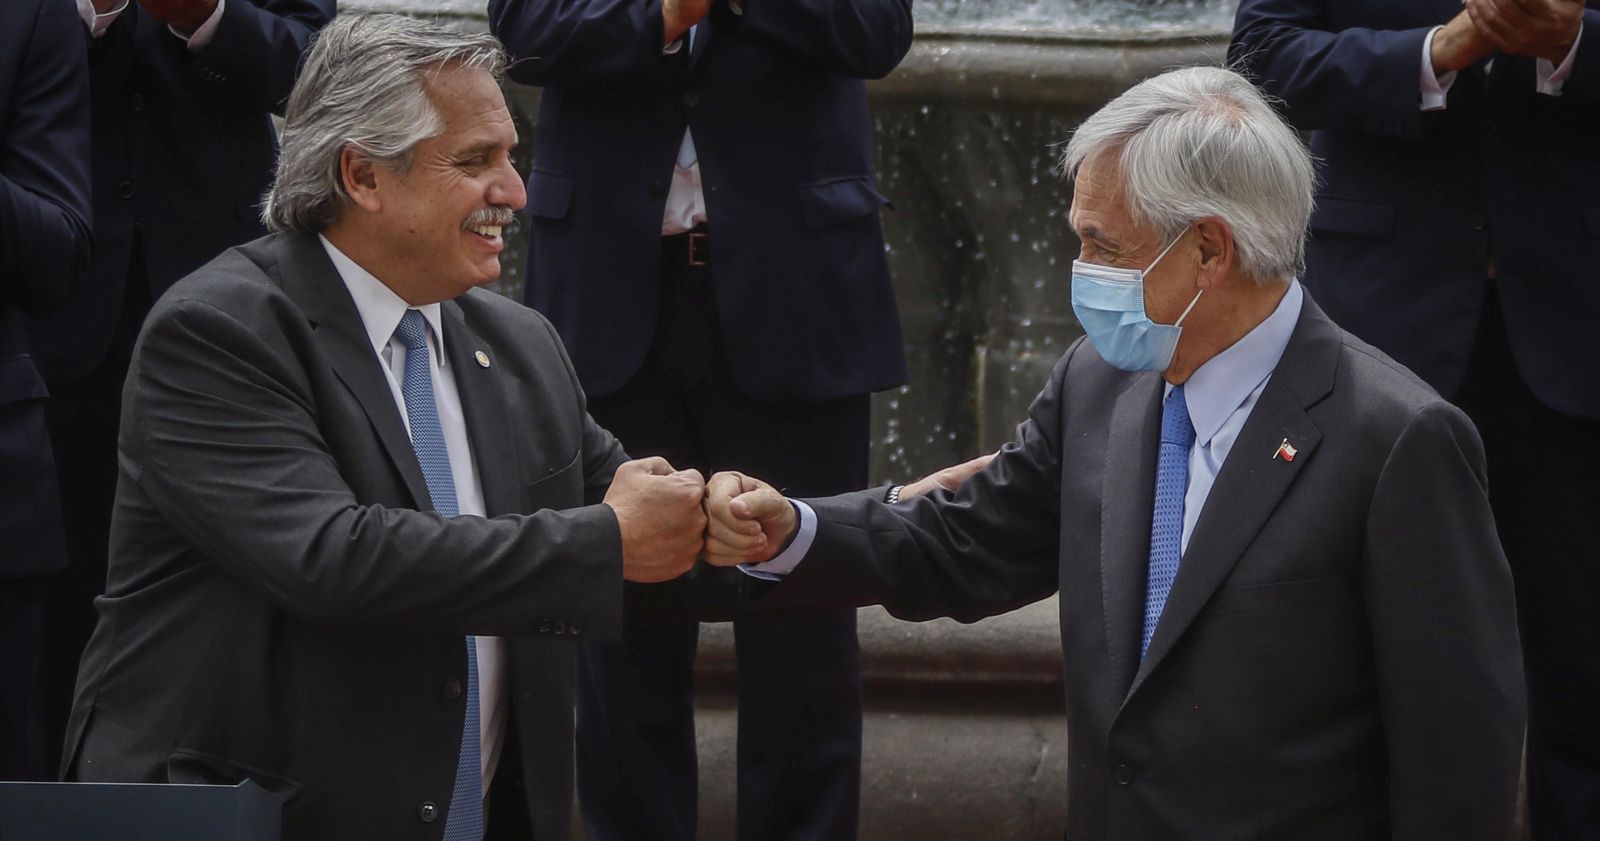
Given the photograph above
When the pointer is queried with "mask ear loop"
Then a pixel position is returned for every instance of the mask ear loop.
(1193, 301)
(1165, 250)
(1186, 310)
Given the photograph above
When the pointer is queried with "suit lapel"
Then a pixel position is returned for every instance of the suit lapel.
(1127, 503)
(486, 409)
(1252, 480)
(310, 278)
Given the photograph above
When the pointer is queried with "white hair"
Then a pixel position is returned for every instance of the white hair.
(363, 86)
(1204, 142)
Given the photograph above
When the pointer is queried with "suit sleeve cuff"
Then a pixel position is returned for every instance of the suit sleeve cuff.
(1435, 88)
(1549, 79)
(207, 30)
(99, 23)
(789, 558)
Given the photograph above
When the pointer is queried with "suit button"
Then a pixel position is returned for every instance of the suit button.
(561, 626)
(125, 189)
(428, 812)
(1479, 222)
(452, 689)
(544, 626)
(1490, 127)
(1122, 774)
(136, 103)
(576, 626)
(691, 98)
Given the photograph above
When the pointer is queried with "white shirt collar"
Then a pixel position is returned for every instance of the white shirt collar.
(379, 307)
(1219, 387)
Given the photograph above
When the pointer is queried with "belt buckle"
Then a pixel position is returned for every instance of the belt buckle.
(697, 241)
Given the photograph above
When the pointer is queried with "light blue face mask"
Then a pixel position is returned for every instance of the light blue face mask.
(1109, 303)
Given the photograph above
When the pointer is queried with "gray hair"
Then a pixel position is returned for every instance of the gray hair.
(1203, 141)
(363, 86)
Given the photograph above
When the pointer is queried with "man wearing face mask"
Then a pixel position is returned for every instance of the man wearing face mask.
(1284, 610)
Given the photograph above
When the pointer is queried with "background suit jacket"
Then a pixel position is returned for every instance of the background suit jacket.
(779, 117)
(283, 605)
(183, 150)
(44, 252)
(1412, 204)
(1338, 657)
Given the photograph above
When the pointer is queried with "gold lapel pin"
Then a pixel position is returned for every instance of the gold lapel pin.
(483, 359)
(1286, 451)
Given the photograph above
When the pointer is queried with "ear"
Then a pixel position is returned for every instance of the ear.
(1218, 259)
(360, 178)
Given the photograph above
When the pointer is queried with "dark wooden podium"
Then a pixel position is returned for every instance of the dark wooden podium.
(138, 812)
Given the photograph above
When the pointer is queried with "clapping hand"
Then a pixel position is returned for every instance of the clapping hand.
(1541, 28)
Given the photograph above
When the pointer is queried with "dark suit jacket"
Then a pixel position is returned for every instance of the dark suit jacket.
(778, 110)
(1412, 204)
(1338, 657)
(44, 251)
(183, 150)
(283, 605)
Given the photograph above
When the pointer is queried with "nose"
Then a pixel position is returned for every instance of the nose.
(508, 188)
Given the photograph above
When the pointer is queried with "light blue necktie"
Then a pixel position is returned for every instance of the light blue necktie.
(1166, 528)
(464, 821)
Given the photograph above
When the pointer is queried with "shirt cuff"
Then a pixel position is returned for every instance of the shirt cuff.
(1434, 87)
(788, 559)
(1549, 80)
(736, 7)
(203, 35)
(672, 48)
(99, 23)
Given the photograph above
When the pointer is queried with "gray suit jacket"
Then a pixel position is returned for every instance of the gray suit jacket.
(282, 603)
(1338, 657)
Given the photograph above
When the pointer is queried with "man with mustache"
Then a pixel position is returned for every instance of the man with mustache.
(363, 516)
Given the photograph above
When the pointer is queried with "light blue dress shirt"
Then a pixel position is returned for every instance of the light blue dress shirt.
(1221, 395)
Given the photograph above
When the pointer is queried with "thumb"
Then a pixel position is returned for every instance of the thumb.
(764, 505)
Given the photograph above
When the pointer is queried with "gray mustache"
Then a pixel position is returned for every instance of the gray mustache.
(490, 216)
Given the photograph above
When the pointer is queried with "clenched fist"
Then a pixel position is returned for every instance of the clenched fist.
(748, 520)
(659, 512)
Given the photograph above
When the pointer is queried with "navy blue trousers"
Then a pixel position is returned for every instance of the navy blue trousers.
(799, 678)
(1544, 487)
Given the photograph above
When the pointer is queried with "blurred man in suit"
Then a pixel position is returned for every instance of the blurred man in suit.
(1458, 228)
(706, 240)
(1283, 608)
(181, 93)
(44, 252)
(363, 517)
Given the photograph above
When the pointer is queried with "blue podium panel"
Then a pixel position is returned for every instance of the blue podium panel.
(138, 812)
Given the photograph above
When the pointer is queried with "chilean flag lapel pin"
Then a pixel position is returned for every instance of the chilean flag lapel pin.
(1286, 451)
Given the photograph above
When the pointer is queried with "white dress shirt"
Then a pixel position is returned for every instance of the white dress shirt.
(381, 310)
(1220, 394)
(1548, 79)
(99, 23)
(686, 198)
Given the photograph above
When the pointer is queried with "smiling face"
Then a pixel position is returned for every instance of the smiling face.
(435, 231)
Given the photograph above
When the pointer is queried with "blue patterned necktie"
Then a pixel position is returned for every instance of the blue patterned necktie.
(464, 821)
(1166, 528)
